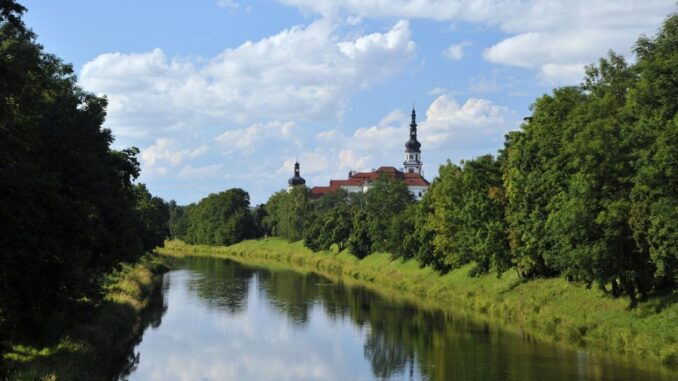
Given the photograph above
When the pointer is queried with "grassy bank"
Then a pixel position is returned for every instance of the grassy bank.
(92, 350)
(552, 309)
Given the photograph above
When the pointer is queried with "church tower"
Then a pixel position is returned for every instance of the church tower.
(296, 179)
(412, 162)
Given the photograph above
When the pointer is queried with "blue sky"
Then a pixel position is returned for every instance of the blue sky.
(227, 93)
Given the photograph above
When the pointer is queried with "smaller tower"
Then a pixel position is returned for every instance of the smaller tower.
(296, 179)
(413, 149)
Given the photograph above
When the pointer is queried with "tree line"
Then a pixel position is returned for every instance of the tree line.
(70, 210)
(222, 218)
(587, 188)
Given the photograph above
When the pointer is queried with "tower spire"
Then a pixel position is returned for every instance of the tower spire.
(296, 179)
(412, 147)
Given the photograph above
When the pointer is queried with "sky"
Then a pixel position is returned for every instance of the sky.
(229, 93)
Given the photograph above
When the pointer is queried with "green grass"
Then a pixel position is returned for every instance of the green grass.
(549, 309)
(87, 351)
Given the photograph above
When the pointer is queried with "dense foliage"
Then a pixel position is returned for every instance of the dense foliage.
(219, 219)
(588, 188)
(69, 210)
(286, 213)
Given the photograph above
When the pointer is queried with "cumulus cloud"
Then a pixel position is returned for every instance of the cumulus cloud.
(246, 140)
(349, 159)
(478, 123)
(455, 52)
(382, 136)
(165, 152)
(331, 136)
(556, 38)
(313, 162)
(448, 129)
(302, 73)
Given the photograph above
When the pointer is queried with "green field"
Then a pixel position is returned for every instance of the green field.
(549, 309)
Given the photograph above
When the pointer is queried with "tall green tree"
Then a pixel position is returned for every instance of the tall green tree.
(535, 173)
(154, 215)
(286, 213)
(69, 211)
(385, 203)
(446, 197)
(483, 230)
(221, 219)
(654, 209)
(178, 220)
(329, 221)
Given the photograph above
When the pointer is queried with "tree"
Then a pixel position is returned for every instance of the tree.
(424, 234)
(359, 241)
(286, 213)
(482, 213)
(329, 220)
(178, 220)
(446, 197)
(654, 197)
(536, 171)
(69, 211)
(221, 219)
(385, 203)
(154, 217)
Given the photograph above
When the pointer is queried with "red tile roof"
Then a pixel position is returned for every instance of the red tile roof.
(361, 178)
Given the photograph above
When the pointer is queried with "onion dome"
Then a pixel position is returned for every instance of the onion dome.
(297, 179)
(413, 144)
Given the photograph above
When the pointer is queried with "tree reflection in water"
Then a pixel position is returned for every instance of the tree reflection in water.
(221, 286)
(400, 340)
(150, 316)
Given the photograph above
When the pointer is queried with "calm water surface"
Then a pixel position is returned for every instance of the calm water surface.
(219, 320)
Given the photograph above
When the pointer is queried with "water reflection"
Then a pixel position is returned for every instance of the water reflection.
(228, 321)
(151, 316)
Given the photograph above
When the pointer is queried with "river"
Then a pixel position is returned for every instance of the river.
(220, 320)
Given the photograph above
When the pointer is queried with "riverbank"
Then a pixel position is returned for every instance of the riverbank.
(92, 350)
(551, 309)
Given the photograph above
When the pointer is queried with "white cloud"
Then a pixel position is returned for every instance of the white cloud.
(312, 162)
(331, 136)
(542, 33)
(301, 73)
(165, 152)
(383, 137)
(557, 73)
(349, 159)
(449, 129)
(455, 52)
(477, 123)
(559, 56)
(246, 140)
